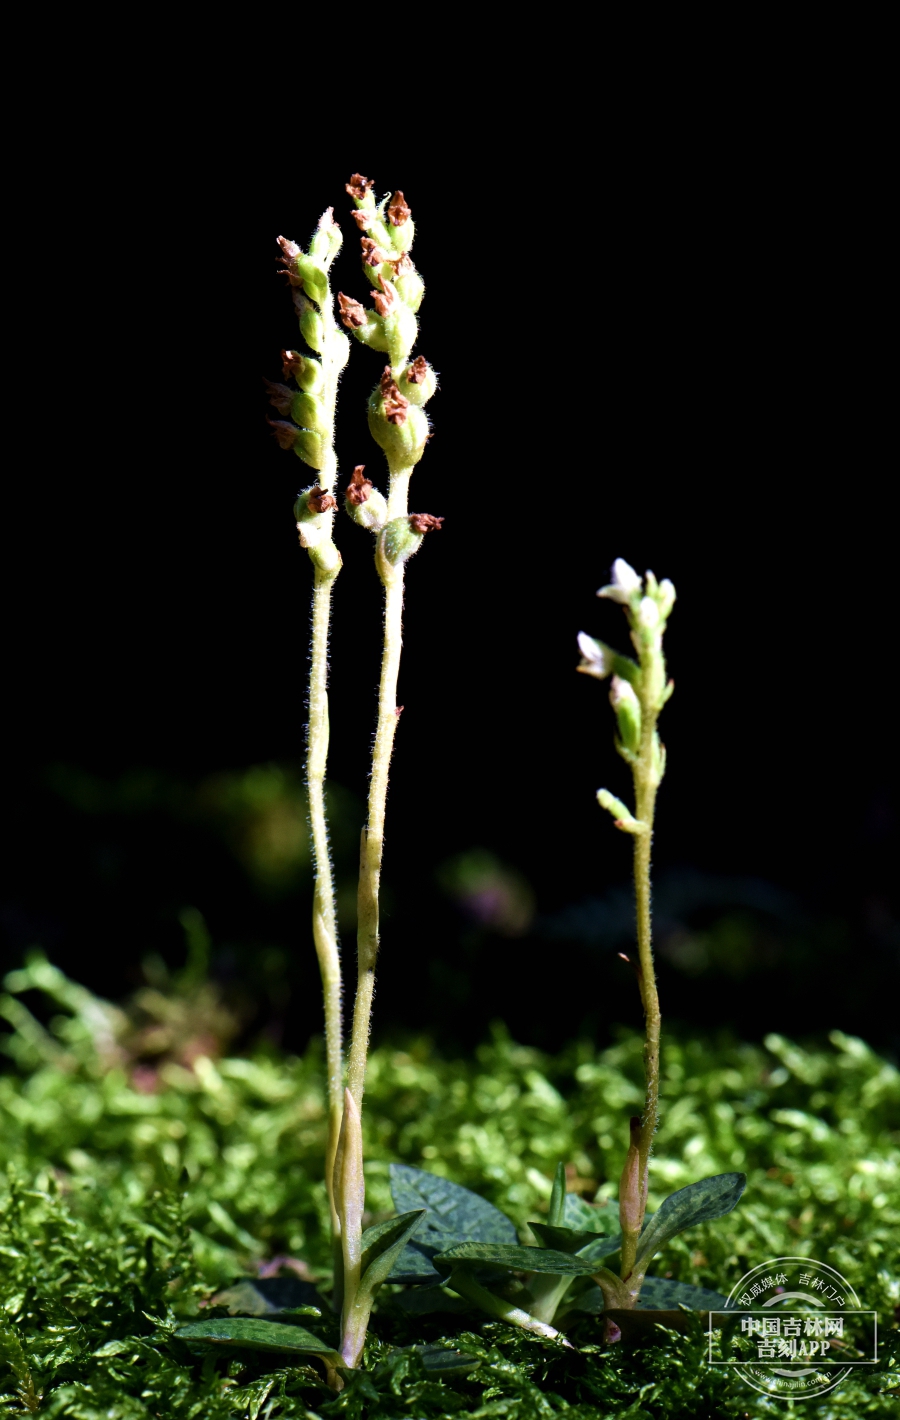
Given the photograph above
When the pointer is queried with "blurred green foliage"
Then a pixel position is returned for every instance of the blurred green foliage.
(132, 1196)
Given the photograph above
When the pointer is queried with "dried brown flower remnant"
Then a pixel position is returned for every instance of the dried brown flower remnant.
(289, 253)
(386, 298)
(320, 500)
(359, 487)
(363, 217)
(353, 314)
(402, 264)
(291, 363)
(358, 186)
(285, 433)
(371, 252)
(395, 403)
(417, 370)
(398, 210)
(279, 396)
(424, 522)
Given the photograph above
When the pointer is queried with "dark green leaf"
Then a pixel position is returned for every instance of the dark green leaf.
(383, 1244)
(270, 1296)
(419, 1301)
(590, 1218)
(664, 1294)
(255, 1334)
(562, 1239)
(698, 1203)
(601, 1247)
(516, 1258)
(413, 1265)
(443, 1361)
(453, 1211)
(657, 1294)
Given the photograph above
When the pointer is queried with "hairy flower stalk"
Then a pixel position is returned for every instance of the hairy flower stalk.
(399, 426)
(310, 434)
(638, 693)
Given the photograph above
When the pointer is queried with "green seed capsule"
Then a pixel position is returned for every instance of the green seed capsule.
(315, 282)
(397, 541)
(313, 330)
(403, 443)
(309, 413)
(310, 448)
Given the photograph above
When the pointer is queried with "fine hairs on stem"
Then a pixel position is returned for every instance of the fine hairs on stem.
(398, 424)
(311, 436)
(639, 690)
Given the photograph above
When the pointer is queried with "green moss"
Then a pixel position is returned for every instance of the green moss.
(123, 1210)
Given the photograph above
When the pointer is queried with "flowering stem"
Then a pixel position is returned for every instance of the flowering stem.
(372, 842)
(311, 436)
(645, 787)
(638, 693)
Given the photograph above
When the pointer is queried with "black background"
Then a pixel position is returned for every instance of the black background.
(671, 356)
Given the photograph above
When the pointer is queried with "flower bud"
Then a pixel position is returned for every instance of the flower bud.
(401, 329)
(410, 289)
(666, 597)
(648, 614)
(596, 659)
(309, 413)
(404, 444)
(623, 816)
(306, 371)
(312, 329)
(628, 713)
(625, 583)
(326, 242)
(418, 382)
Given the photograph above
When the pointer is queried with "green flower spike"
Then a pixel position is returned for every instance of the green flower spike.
(639, 690)
(399, 425)
(309, 432)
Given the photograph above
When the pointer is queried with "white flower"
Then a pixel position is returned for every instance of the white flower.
(625, 582)
(648, 614)
(621, 693)
(596, 658)
(666, 596)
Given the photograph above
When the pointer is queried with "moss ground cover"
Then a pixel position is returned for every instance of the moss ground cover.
(130, 1199)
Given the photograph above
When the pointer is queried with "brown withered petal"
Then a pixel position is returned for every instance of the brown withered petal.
(385, 299)
(395, 403)
(320, 500)
(289, 251)
(353, 314)
(279, 396)
(358, 186)
(424, 522)
(371, 252)
(359, 487)
(401, 264)
(417, 370)
(398, 210)
(286, 434)
(363, 217)
(291, 362)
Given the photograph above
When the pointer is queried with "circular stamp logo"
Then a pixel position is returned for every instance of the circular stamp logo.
(793, 1326)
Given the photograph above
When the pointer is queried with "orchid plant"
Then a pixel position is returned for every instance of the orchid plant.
(447, 1248)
